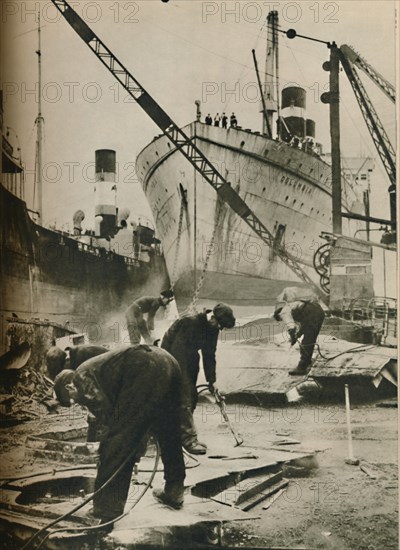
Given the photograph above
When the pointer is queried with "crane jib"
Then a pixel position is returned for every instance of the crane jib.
(79, 25)
(155, 112)
(230, 196)
(182, 142)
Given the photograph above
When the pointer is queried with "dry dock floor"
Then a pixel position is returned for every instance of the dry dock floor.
(327, 503)
(333, 506)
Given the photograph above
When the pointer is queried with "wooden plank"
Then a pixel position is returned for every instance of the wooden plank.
(247, 489)
(255, 488)
(264, 495)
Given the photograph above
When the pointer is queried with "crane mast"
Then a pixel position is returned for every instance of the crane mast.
(181, 141)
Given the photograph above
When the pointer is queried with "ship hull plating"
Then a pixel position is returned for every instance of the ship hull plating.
(288, 189)
(49, 275)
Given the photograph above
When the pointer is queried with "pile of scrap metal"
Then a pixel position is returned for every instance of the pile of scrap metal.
(25, 393)
(365, 367)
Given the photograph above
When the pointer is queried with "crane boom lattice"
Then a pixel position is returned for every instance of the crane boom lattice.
(375, 127)
(182, 142)
(379, 80)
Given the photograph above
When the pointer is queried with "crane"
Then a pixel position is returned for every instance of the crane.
(348, 59)
(356, 59)
(182, 142)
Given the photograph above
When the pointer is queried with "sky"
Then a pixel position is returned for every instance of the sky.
(180, 51)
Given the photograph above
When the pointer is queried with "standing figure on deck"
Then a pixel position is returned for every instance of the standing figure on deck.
(134, 315)
(183, 340)
(295, 307)
(132, 390)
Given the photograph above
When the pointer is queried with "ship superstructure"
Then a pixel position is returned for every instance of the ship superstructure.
(81, 277)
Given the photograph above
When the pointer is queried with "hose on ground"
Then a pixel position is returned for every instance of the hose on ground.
(88, 499)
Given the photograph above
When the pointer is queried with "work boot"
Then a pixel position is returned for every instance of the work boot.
(196, 448)
(99, 522)
(299, 371)
(105, 526)
(168, 500)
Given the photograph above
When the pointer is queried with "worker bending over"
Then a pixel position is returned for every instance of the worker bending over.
(58, 359)
(61, 366)
(303, 316)
(137, 325)
(132, 390)
(183, 340)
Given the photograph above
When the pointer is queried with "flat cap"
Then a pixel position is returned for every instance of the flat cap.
(55, 360)
(224, 315)
(65, 377)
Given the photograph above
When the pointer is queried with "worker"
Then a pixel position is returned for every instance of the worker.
(132, 390)
(61, 364)
(217, 119)
(137, 324)
(224, 120)
(58, 359)
(303, 316)
(183, 340)
(208, 120)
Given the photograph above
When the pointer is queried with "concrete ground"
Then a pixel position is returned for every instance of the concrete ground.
(338, 505)
(335, 506)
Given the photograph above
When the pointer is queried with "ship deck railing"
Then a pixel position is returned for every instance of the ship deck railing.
(379, 312)
(100, 252)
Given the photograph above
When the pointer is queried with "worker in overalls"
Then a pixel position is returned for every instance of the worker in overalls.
(184, 339)
(303, 316)
(61, 366)
(58, 359)
(132, 390)
(137, 325)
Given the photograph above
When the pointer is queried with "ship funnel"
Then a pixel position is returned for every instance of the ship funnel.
(310, 128)
(105, 193)
(295, 125)
(77, 219)
(294, 96)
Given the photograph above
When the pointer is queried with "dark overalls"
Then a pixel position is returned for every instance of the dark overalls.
(310, 317)
(137, 325)
(80, 354)
(132, 390)
(183, 340)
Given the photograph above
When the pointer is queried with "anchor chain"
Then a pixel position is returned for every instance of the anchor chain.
(191, 309)
(178, 241)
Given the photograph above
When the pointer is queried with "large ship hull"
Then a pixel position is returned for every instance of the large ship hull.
(288, 189)
(49, 275)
